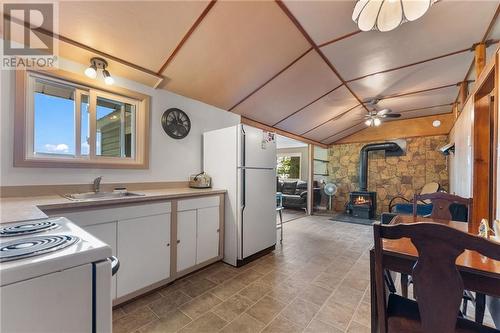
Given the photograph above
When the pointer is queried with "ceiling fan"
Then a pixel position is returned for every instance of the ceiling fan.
(374, 117)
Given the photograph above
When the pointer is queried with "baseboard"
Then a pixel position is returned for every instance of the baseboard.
(254, 256)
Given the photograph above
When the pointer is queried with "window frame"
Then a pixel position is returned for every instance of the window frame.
(24, 154)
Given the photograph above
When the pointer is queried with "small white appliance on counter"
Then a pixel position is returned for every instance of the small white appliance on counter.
(54, 277)
(242, 160)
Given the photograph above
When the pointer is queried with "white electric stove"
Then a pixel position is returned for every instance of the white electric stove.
(54, 277)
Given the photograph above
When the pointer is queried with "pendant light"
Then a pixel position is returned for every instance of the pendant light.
(386, 15)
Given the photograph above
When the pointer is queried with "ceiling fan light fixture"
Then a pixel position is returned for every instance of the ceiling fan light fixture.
(377, 122)
(369, 122)
(386, 15)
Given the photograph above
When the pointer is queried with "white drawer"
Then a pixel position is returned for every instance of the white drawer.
(95, 216)
(203, 202)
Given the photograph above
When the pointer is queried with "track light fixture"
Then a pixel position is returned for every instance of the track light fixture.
(99, 64)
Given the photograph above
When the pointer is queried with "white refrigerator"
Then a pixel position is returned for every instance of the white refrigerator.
(242, 159)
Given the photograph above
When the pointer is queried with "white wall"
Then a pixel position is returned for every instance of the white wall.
(170, 160)
(460, 169)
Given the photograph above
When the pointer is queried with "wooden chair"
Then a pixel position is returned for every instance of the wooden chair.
(441, 203)
(439, 283)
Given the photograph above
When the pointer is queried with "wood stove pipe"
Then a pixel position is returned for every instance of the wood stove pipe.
(363, 160)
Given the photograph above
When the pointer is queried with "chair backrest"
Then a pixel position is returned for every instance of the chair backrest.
(437, 280)
(432, 187)
(441, 203)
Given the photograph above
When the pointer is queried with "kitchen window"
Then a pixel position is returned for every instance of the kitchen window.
(67, 123)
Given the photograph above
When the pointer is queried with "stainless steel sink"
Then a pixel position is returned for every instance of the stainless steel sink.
(101, 195)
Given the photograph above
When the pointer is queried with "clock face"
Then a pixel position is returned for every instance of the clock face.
(176, 123)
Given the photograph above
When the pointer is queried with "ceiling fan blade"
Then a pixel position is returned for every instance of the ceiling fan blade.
(383, 112)
(392, 115)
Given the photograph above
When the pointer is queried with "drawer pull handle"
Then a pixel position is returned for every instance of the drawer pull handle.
(168, 244)
(218, 230)
(178, 241)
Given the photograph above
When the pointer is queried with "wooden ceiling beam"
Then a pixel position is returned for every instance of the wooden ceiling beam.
(258, 124)
(340, 38)
(485, 36)
(404, 111)
(412, 64)
(381, 98)
(305, 106)
(272, 78)
(187, 35)
(331, 119)
(83, 46)
(294, 20)
(404, 128)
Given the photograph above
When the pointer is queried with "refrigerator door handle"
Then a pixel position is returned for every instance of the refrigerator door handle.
(243, 181)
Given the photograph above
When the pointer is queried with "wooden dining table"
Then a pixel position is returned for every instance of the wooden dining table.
(479, 273)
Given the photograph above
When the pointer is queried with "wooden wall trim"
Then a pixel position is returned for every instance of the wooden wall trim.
(254, 123)
(404, 128)
(340, 115)
(187, 35)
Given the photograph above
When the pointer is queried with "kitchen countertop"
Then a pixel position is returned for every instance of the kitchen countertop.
(15, 209)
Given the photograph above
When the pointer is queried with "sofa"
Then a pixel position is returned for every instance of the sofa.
(295, 193)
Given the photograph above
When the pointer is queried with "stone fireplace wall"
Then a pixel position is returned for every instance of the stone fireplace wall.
(391, 176)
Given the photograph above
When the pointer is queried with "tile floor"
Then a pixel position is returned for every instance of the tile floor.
(317, 281)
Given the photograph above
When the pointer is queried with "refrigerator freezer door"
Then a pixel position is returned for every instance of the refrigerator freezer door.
(258, 224)
(257, 153)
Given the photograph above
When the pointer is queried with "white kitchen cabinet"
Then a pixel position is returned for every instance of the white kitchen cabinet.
(198, 223)
(144, 252)
(207, 240)
(186, 239)
(106, 232)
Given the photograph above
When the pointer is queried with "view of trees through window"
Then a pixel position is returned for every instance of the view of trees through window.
(288, 167)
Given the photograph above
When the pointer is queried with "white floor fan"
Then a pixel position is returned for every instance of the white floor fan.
(330, 189)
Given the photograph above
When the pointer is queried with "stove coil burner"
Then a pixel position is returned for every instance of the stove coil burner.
(27, 228)
(34, 246)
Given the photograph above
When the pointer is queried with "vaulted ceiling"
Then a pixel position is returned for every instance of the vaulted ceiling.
(299, 66)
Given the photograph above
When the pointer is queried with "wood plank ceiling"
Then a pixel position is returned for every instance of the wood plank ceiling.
(299, 66)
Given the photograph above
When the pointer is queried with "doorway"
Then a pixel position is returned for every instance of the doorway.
(292, 169)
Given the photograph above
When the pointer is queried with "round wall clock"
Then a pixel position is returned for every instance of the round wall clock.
(176, 123)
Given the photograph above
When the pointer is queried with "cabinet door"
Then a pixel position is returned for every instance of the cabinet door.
(186, 239)
(207, 242)
(106, 232)
(144, 252)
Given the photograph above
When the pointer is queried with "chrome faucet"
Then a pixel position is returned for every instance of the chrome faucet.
(97, 184)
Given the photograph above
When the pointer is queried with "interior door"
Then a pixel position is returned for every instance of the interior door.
(143, 251)
(186, 239)
(207, 242)
(258, 226)
(257, 153)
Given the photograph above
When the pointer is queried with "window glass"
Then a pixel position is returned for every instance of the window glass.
(115, 124)
(54, 118)
(85, 125)
(288, 167)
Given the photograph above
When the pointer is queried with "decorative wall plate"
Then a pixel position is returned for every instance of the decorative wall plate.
(176, 123)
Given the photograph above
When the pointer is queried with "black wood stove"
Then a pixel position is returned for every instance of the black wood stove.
(363, 204)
